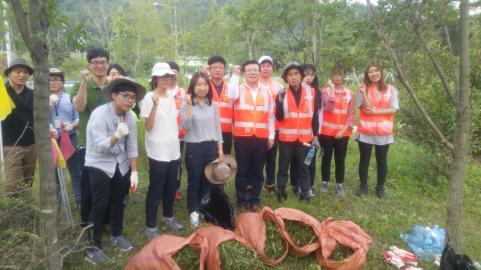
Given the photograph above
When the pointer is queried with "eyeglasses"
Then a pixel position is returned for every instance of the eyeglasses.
(99, 63)
(217, 67)
(129, 97)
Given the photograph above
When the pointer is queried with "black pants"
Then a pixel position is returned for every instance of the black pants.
(179, 175)
(251, 156)
(227, 144)
(163, 182)
(107, 193)
(289, 153)
(293, 175)
(197, 156)
(271, 162)
(338, 147)
(365, 150)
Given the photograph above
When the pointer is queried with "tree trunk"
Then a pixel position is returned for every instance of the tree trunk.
(48, 187)
(456, 187)
(34, 28)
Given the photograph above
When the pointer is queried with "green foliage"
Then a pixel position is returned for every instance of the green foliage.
(139, 40)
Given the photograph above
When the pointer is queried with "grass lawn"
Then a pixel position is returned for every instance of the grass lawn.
(412, 197)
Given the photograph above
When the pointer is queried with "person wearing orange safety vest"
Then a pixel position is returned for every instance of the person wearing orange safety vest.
(253, 132)
(216, 69)
(267, 67)
(297, 112)
(179, 97)
(336, 127)
(378, 103)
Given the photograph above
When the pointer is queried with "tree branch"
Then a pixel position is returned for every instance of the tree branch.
(404, 81)
(415, 21)
(448, 39)
(22, 22)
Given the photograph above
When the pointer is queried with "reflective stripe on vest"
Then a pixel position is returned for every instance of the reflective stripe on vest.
(297, 123)
(251, 119)
(377, 124)
(335, 120)
(225, 106)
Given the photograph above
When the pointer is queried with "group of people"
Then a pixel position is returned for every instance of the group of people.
(257, 115)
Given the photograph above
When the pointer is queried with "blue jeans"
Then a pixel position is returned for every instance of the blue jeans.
(197, 156)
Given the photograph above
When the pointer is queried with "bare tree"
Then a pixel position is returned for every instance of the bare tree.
(459, 146)
(33, 23)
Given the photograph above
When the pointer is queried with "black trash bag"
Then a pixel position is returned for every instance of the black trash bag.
(452, 261)
(217, 209)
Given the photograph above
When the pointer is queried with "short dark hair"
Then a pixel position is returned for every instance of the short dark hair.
(249, 62)
(191, 90)
(124, 87)
(97, 52)
(118, 67)
(173, 65)
(216, 58)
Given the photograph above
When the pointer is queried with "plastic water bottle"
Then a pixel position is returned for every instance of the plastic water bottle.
(428, 247)
(439, 236)
(310, 155)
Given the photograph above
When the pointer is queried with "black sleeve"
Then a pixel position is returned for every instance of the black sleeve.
(317, 111)
(280, 107)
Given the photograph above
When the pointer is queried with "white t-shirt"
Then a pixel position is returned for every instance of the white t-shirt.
(162, 141)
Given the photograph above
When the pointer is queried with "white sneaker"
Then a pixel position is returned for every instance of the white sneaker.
(194, 219)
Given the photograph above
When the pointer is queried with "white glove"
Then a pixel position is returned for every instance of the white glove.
(52, 101)
(122, 130)
(315, 142)
(67, 126)
(134, 180)
(53, 131)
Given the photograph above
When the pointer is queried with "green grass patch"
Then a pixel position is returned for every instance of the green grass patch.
(187, 258)
(301, 234)
(414, 195)
(275, 246)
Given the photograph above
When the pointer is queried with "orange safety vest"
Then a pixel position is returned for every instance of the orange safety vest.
(335, 120)
(377, 124)
(297, 123)
(179, 95)
(251, 117)
(225, 107)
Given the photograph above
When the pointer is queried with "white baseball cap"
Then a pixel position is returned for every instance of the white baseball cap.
(265, 58)
(162, 69)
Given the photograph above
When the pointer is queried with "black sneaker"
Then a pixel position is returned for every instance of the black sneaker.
(362, 190)
(380, 192)
(304, 197)
(281, 195)
(95, 256)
